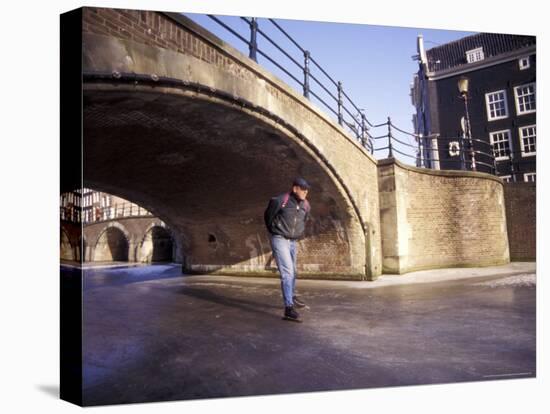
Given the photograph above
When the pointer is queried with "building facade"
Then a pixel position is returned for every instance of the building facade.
(490, 126)
(101, 227)
(88, 206)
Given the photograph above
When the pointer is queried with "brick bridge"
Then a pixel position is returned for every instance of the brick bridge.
(124, 239)
(183, 124)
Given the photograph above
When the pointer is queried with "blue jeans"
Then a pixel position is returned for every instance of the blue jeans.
(284, 252)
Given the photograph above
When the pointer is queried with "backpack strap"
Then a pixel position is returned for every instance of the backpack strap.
(285, 200)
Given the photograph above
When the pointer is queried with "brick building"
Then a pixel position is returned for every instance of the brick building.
(88, 206)
(500, 105)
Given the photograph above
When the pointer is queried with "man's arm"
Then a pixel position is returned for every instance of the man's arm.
(271, 211)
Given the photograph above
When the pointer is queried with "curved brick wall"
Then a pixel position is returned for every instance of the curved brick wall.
(436, 219)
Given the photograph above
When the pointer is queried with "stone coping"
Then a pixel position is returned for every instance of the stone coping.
(440, 173)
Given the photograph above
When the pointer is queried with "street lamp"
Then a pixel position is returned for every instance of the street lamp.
(463, 85)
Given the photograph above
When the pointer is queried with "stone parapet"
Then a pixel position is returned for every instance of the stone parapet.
(435, 219)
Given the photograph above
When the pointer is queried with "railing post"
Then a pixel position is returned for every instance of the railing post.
(473, 155)
(512, 169)
(371, 144)
(419, 157)
(463, 153)
(253, 45)
(363, 129)
(340, 103)
(390, 150)
(306, 73)
(469, 134)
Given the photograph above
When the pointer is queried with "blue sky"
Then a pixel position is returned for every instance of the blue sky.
(373, 62)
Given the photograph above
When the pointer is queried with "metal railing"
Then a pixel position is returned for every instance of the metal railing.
(458, 153)
(115, 211)
(467, 153)
(312, 78)
(94, 214)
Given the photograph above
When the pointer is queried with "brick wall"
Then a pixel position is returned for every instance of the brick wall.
(521, 219)
(240, 245)
(436, 219)
(150, 28)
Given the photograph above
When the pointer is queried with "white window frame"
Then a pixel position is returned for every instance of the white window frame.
(524, 62)
(475, 55)
(504, 157)
(506, 178)
(524, 153)
(530, 174)
(530, 111)
(488, 105)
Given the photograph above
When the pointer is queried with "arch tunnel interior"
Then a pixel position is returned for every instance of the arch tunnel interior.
(112, 246)
(208, 169)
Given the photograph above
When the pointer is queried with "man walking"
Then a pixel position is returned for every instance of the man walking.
(285, 218)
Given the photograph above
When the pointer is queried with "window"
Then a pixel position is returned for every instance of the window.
(506, 178)
(475, 55)
(524, 63)
(525, 99)
(497, 108)
(530, 177)
(528, 140)
(500, 140)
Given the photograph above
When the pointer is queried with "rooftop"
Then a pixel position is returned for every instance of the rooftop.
(453, 54)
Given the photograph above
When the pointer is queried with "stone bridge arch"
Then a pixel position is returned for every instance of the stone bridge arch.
(202, 136)
(112, 244)
(153, 246)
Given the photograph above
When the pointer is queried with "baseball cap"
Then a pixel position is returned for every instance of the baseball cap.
(300, 182)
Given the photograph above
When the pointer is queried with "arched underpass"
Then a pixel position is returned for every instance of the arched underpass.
(112, 245)
(208, 169)
(202, 137)
(156, 246)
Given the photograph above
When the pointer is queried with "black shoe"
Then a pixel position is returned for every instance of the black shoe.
(298, 303)
(291, 314)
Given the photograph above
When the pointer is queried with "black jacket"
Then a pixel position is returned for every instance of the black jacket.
(290, 221)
